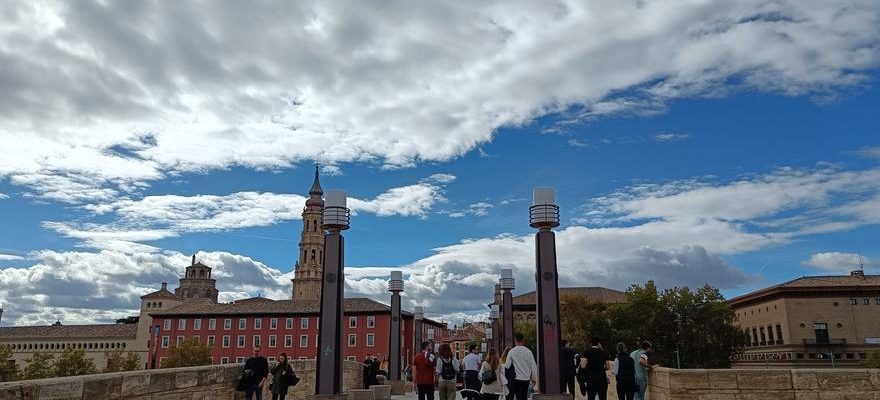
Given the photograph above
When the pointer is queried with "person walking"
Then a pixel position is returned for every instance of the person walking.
(624, 370)
(642, 360)
(423, 374)
(581, 373)
(524, 367)
(259, 367)
(597, 364)
(493, 382)
(447, 368)
(508, 395)
(283, 378)
(472, 366)
(567, 367)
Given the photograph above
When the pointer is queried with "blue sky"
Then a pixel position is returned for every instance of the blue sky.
(741, 150)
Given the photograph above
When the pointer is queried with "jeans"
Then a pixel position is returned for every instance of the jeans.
(625, 392)
(446, 389)
(426, 392)
(252, 390)
(281, 396)
(599, 388)
(471, 381)
(643, 387)
(519, 389)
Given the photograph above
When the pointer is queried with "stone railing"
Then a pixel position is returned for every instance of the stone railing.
(191, 383)
(770, 384)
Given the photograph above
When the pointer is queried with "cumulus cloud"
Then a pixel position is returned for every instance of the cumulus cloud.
(836, 261)
(102, 98)
(10, 257)
(870, 152)
(88, 287)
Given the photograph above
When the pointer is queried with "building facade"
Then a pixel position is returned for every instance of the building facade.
(811, 322)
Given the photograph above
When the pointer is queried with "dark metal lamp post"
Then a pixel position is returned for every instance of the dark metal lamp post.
(507, 286)
(494, 315)
(544, 215)
(329, 363)
(395, 286)
(418, 315)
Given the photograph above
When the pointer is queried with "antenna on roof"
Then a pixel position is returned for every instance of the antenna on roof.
(861, 262)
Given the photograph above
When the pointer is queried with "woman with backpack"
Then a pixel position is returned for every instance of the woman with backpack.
(447, 368)
(492, 377)
(283, 378)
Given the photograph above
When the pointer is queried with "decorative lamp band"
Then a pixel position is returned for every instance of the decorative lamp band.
(544, 213)
(336, 218)
(396, 282)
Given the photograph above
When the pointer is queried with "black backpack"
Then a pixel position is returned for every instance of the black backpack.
(489, 377)
(447, 371)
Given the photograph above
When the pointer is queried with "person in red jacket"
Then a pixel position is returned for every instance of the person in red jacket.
(424, 377)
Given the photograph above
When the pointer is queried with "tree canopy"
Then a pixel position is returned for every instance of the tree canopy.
(117, 361)
(8, 369)
(189, 354)
(74, 362)
(39, 366)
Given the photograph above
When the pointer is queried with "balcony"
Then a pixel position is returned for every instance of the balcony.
(824, 342)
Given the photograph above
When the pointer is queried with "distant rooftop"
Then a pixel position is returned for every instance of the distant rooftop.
(115, 331)
(856, 281)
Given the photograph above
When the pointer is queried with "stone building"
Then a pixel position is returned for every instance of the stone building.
(811, 322)
(310, 265)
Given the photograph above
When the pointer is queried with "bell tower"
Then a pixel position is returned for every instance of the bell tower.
(309, 265)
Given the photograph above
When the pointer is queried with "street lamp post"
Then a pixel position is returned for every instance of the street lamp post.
(418, 315)
(395, 286)
(329, 363)
(507, 286)
(494, 315)
(544, 215)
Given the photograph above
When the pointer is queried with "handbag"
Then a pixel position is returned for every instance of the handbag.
(489, 377)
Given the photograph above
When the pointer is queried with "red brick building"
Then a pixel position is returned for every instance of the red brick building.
(290, 326)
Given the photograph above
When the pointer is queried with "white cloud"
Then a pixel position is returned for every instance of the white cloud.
(3, 196)
(870, 152)
(836, 261)
(10, 257)
(671, 137)
(94, 108)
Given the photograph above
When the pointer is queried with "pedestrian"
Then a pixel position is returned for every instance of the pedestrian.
(581, 373)
(283, 378)
(423, 374)
(525, 370)
(447, 368)
(642, 360)
(472, 366)
(368, 369)
(567, 367)
(259, 367)
(492, 380)
(597, 364)
(624, 370)
(508, 395)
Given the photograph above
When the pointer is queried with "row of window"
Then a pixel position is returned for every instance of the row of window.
(766, 336)
(62, 346)
(258, 323)
(239, 360)
(241, 340)
(865, 301)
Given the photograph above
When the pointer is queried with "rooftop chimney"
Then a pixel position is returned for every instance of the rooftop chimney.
(164, 285)
(858, 273)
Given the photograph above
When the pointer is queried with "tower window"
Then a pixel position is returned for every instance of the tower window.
(314, 226)
(313, 255)
(202, 274)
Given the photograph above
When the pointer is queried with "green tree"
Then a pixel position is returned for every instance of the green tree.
(873, 360)
(117, 361)
(8, 369)
(529, 331)
(39, 366)
(74, 362)
(582, 319)
(191, 353)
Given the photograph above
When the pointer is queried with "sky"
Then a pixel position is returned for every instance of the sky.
(689, 142)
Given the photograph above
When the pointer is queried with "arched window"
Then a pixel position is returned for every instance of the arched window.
(201, 273)
(313, 255)
(315, 226)
(160, 304)
(192, 274)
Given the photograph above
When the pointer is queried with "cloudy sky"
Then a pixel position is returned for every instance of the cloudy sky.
(729, 142)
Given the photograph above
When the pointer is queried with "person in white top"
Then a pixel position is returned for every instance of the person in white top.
(523, 362)
(492, 377)
(471, 371)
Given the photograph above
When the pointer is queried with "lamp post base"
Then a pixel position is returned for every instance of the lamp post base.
(399, 388)
(563, 396)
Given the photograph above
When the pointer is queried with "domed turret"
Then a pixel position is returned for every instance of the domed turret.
(315, 193)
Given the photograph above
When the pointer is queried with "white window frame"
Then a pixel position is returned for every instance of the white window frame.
(227, 341)
(257, 341)
(288, 341)
(273, 341)
(166, 325)
(181, 324)
(304, 323)
(352, 340)
(212, 324)
(197, 324)
(288, 324)
(239, 360)
(353, 321)
(371, 340)
(224, 360)
(211, 340)
(240, 341)
(227, 324)
(242, 324)
(179, 340)
(273, 323)
(258, 323)
(301, 338)
(371, 321)
(166, 340)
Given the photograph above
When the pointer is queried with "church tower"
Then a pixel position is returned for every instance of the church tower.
(310, 264)
(197, 282)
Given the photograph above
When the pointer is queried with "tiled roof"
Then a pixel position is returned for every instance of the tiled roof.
(118, 331)
(159, 294)
(812, 284)
(268, 306)
(834, 281)
(599, 294)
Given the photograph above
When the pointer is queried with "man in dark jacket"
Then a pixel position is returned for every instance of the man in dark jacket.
(567, 367)
(259, 367)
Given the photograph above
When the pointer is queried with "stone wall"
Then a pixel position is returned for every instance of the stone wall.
(191, 383)
(769, 384)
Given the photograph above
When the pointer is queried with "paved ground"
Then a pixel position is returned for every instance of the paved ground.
(612, 394)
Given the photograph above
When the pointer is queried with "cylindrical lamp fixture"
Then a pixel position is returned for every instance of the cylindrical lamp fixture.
(544, 213)
(395, 284)
(336, 214)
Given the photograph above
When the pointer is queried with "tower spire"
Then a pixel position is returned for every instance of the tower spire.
(316, 185)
